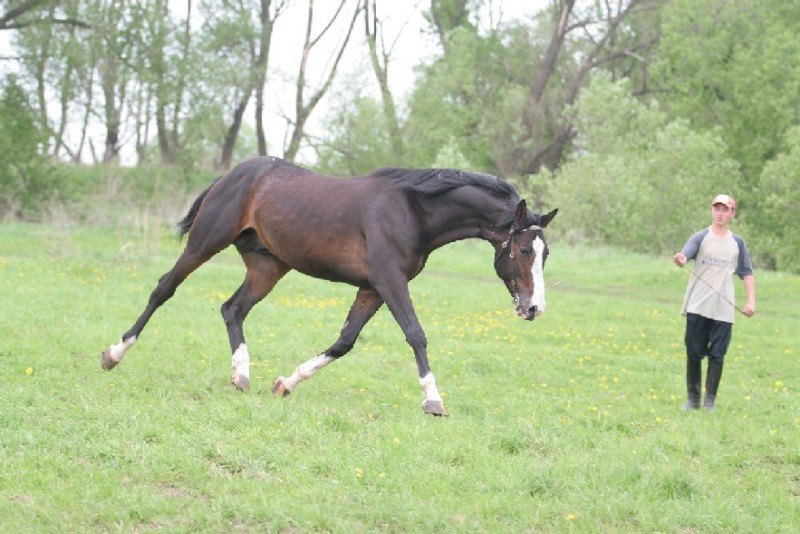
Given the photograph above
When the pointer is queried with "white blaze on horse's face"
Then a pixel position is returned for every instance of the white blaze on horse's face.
(520, 264)
(537, 298)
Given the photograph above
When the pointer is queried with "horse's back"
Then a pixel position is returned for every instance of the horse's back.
(286, 191)
(314, 223)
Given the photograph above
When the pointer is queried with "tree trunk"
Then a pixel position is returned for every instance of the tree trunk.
(551, 155)
(114, 73)
(67, 94)
(303, 109)
(531, 111)
(447, 15)
(255, 84)
(233, 132)
(182, 72)
(40, 74)
(380, 65)
(78, 154)
(262, 61)
(108, 80)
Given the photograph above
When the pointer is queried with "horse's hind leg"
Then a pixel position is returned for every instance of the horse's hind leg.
(367, 302)
(209, 235)
(263, 272)
(186, 263)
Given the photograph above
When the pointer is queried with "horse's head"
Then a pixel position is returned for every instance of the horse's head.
(519, 261)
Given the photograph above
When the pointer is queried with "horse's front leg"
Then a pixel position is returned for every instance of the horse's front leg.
(394, 291)
(367, 302)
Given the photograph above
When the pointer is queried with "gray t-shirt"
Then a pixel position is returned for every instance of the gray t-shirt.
(710, 292)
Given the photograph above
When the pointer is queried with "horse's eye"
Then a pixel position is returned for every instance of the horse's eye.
(525, 251)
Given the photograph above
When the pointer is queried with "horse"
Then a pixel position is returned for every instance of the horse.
(374, 232)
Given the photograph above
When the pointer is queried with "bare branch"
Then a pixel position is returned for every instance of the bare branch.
(16, 12)
(302, 109)
(328, 26)
(38, 22)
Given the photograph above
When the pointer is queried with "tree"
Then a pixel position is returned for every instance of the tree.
(454, 98)
(303, 107)
(379, 56)
(164, 61)
(25, 173)
(444, 16)
(601, 45)
(261, 63)
(358, 138)
(734, 65)
(502, 95)
(242, 33)
(115, 24)
(58, 62)
(776, 243)
(639, 180)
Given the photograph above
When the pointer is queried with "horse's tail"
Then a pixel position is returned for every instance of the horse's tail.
(185, 224)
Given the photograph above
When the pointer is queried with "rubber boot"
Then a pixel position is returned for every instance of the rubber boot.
(693, 383)
(713, 376)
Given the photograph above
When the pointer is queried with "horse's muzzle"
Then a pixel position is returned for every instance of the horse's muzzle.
(529, 313)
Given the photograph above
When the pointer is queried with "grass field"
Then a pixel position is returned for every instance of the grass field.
(569, 423)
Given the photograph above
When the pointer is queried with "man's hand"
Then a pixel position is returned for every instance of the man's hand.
(749, 309)
(679, 259)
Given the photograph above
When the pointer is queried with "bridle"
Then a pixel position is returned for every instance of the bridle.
(511, 234)
(507, 245)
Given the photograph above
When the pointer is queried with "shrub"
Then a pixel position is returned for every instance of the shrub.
(637, 180)
(26, 175)
(777, 241)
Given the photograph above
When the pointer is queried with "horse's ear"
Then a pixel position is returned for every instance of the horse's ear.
(521, 214)
(547, 218)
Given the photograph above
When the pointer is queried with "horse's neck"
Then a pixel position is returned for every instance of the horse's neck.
(453, 221)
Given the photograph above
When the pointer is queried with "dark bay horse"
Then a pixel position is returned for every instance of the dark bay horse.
(373, 232)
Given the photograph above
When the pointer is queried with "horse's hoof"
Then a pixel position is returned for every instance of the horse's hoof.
(278, 388)
(106, 361)
(434, 408)
(242, 383)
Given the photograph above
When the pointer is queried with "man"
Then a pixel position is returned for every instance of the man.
(709, 302)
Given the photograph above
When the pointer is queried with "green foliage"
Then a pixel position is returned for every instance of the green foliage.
(776, 225)
(638, 180)
(477, 92)
(450, 101)
(204, 128)
(27, 178)
(571, 423)
(152, 182)
(735, 65)
(359, 139)
(144, 197)
(450, 156)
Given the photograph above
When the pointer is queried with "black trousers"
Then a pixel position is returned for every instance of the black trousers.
(706, 337)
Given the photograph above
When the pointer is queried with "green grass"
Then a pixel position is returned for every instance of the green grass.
(569, 423)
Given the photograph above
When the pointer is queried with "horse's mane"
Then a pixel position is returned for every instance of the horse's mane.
(431, 182)
(437, 181)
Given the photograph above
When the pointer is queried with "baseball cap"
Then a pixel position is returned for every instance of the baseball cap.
(724, 199)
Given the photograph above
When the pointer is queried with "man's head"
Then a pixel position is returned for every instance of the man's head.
(723, 208)
(725, 200)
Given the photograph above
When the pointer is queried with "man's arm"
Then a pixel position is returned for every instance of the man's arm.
(690, 249)
(750, 286)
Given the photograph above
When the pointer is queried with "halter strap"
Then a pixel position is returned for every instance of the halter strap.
(511, 233)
